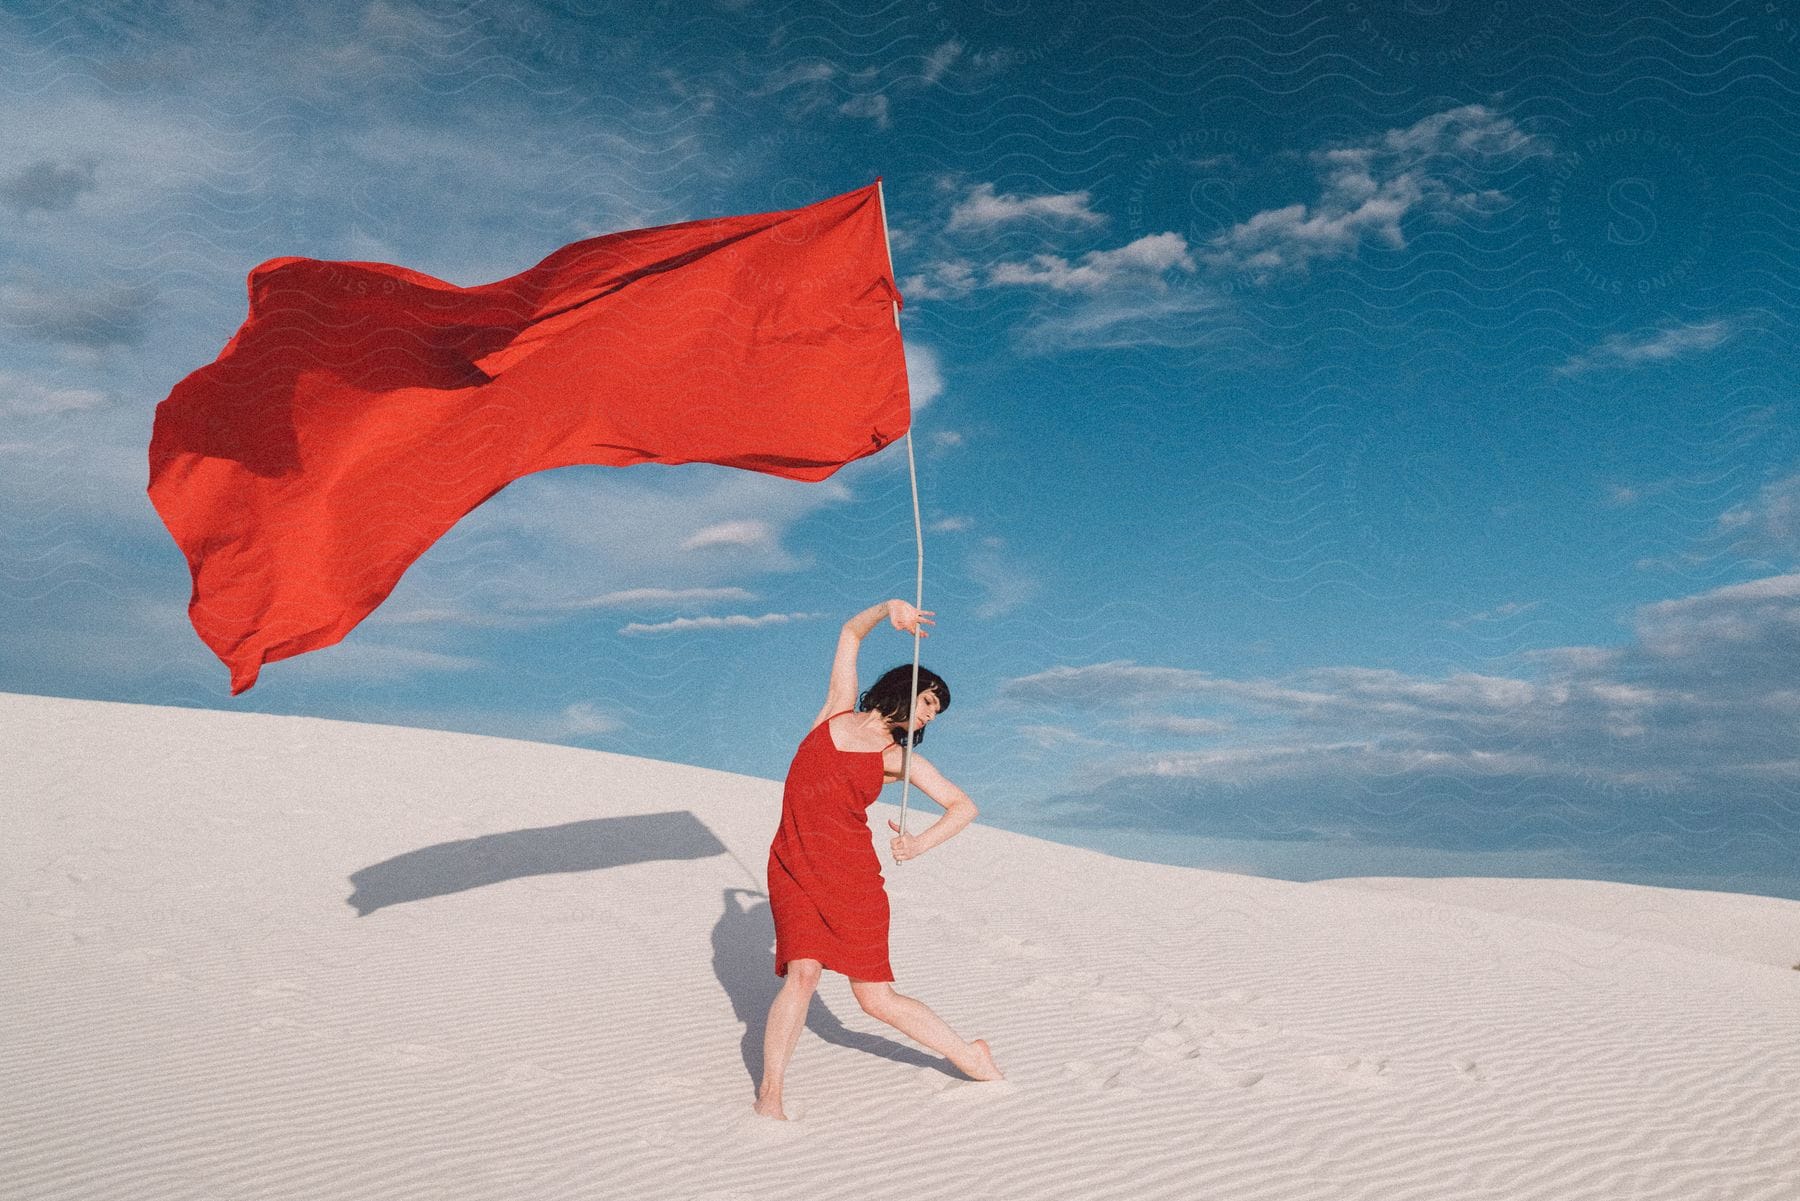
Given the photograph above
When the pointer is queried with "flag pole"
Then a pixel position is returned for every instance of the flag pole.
(912, 475)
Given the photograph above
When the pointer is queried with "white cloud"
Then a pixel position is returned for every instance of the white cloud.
(94, 318)
(1367, 189)
(1054, 737)
(584, 719)
(900, 237)
(1617, 754)
(1136, 264)
(750, 534)
(580, 722)
(983, 208)
(517, 613)
(21, 396)
(1167, 317)
(361, 661)
(438, 615)
(1102, 299)
(1498, 613)
(1117, 682)
(939, 61)
(814, 84)
(924, 375)
(556, 542)
(641, 598)
(410, 140)
(77, 465)
(1666, 342)
(734, 621)
(1179, 726)
(1771, 522)
(1238, 766)
(797, 74)
(469, 182)
(1589, 684)
(871, 106)
(524, 613)
(1005, 583)
(1749, 624)
(47, 185)
(944, 280)
(141, 154)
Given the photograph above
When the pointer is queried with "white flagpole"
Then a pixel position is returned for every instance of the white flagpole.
(912, 473)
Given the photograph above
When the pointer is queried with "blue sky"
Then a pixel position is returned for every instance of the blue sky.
(1352, 439)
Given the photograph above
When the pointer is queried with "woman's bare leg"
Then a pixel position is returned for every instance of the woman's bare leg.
(787, 1017)
(915, 1019)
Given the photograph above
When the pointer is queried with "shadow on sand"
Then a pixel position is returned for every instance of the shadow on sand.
(744, 961)
(743, 939)
(583, 846)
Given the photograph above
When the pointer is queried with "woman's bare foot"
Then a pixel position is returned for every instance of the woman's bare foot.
(770, 1110)
(986, 1068)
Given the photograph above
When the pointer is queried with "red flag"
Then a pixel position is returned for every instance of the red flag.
(363, 408)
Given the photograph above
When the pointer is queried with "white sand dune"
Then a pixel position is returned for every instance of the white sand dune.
(1731, 924)
(265, 957)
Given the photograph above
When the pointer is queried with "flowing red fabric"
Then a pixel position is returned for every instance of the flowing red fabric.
(362, 409)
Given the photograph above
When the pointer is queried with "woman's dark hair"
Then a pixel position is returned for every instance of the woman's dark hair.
(892, 694)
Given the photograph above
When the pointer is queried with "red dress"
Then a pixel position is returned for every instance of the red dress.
(825, 882)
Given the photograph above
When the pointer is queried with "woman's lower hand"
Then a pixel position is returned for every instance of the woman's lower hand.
(905, 846)
(909, 620)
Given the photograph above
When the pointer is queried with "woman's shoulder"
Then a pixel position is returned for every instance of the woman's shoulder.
(893, 762)
(824, 715)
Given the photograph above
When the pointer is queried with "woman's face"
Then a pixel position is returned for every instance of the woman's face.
(924, 711)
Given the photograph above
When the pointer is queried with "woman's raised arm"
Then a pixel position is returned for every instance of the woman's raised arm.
(840, 694)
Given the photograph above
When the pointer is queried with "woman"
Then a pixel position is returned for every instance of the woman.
(825, 883)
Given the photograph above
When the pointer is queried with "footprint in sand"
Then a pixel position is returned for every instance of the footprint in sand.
(1110, 1001)
(973, 1092)
(1166, 1044)
(755, 1129)
(1081, 989)
(948, 1089)
(1184, 1040)
(1014, 947)
(1468, 1071)
(1357, 1071)
(1240, 1032)
(1208, 1027)
(1171, 1048)
(1219, 1076)
(1057, 984)
(1085, 1073)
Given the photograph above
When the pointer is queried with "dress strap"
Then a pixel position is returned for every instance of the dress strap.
(822, 726)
